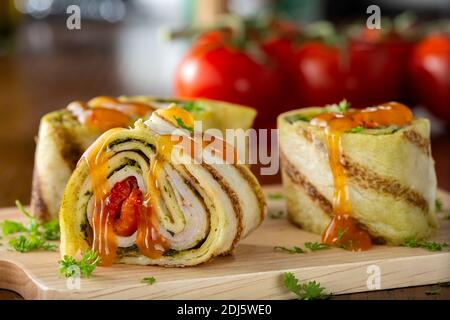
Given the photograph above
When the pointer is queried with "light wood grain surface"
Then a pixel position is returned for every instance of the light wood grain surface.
(254, 272)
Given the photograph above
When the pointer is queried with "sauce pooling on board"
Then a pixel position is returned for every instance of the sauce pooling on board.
(104, 112)
(343, 230)
(123, 209)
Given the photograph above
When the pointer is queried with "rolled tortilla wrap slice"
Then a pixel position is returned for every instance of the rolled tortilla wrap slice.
(190, 212)
(65, 134)
(390, 177)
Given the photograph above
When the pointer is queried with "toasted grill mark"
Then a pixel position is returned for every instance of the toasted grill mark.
(69, 149)
(38, 206)
(420, 142)
(251, 180)
(307, 135)
(368, 179)
(234, 201)
(297, 177)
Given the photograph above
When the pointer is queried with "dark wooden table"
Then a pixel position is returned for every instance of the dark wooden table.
(51, 66)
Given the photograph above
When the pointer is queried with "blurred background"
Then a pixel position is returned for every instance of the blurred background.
(283, 54)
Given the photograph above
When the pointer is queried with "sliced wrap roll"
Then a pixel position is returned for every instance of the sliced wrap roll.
(390, 177)
(65, 134)
(185, 212)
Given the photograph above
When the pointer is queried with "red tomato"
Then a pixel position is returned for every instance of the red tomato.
(123, 204)
(364, 73)
(217, 70)
(282, 52)
(318, 72)
(430, 74)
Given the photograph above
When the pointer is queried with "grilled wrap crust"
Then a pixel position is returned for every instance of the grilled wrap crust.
(390, 172)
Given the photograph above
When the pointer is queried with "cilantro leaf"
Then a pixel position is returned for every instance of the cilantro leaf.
(277, 215)
(32, 242)
(181, 124)
(343, 106)
(148, 280)
(356, 129)
(293, 250)
(307, 291)
(193, 106)
(312, 291)
(10, 227)
(51, 230)
(69, 266)
(434, 292)
(340, 233)
(428, 245)
(276, 196)
(66, 266)
(298, 117)
(291, 283)
(35, 234)
(314, 246)
(438, 205)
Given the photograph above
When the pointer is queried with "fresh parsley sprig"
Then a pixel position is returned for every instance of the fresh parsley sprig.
(343, 106)
(293, 250)
(9, 227)
(35, 234)
(428, 245)
(438, 205)
(306, 291)
(315, 246)
(148, 280)
(70, 267)
(276, 215)
(275, 196)
(182, 125)
(356, 129)
(193, 106)
(312, 246)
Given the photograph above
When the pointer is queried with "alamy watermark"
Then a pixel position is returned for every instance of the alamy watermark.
(73, 21)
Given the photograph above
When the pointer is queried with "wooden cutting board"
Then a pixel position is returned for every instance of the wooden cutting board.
(254, 272)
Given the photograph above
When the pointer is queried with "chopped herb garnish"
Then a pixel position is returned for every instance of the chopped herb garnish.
(193, 106)
(275, 196)
(314, 246)
(428, 245)
(148, 280)
(51, 230)
(32, 242)
(340, 233)
(35, 235)
(356, 129)
(298, 117)
(70, 267)
(306, 291)
(277, 215)
(9, 227)
(181, 124)
(434, 292)
(343, 106)
(438, 205)
(293, 250)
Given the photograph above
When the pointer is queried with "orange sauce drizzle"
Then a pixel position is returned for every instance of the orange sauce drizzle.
(148, 239)
(105, 113)
(104, 238)
(343, 230)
